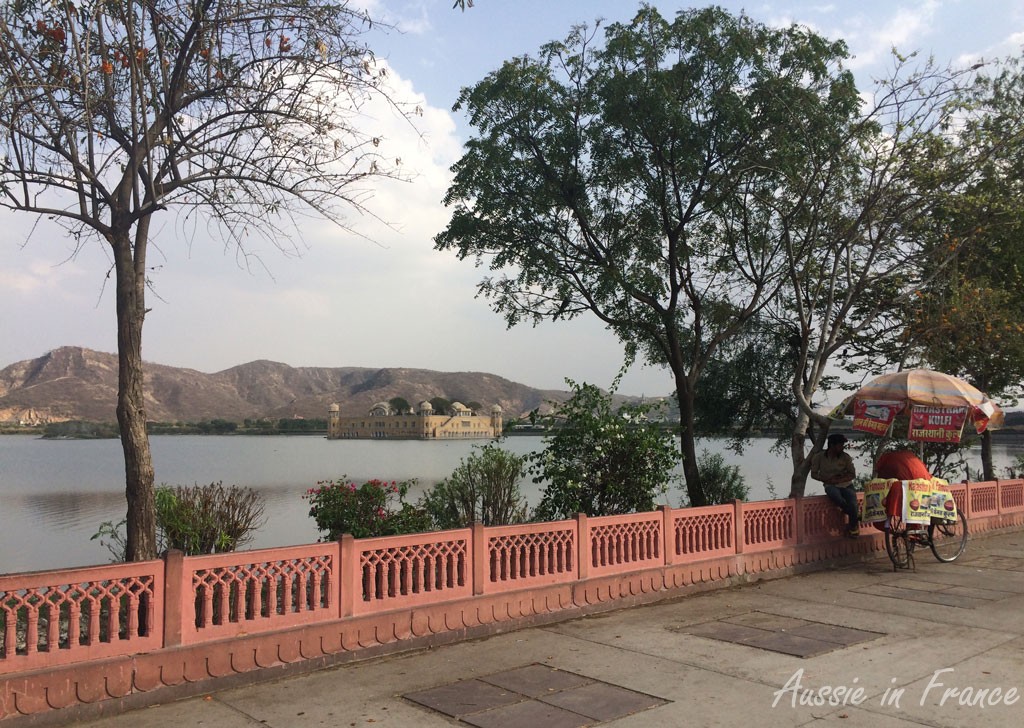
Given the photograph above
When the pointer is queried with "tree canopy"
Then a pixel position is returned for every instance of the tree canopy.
(653, 182)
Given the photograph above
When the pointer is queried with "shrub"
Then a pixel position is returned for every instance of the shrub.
(722, 483)
(199, 519)
(208, 519)
(602, 462)
(484, 487)
(375, 508)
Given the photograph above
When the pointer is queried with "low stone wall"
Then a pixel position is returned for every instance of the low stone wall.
(155, 631)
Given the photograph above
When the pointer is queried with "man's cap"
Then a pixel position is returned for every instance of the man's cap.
(836, 438)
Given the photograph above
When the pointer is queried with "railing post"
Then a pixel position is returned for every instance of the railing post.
(798, 514)
(478, 552)
(737, 517)
(967, 499)
(999, 497)
(668, 529)
(336, 577)
(582, 547)
(174, 589)
(348, 568)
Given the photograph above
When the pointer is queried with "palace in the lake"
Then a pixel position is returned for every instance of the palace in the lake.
(384, 422)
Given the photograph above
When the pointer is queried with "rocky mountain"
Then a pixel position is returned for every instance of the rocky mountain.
(73, 383)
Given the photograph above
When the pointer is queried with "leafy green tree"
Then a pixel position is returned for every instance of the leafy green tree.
(969, 319)
(400, 405)
(441, 405)
(724, 483)
(653, 182)
(484, 487)
(242, 113)
(600, 461)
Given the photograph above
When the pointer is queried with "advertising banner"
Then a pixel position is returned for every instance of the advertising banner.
(874, 416)
(942, 505)
(917, 498)
(936, 424)
(875, 492)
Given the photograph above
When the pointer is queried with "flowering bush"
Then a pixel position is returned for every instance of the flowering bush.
(375, 508)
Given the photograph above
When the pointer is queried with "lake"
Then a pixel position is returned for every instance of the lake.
(55, 493)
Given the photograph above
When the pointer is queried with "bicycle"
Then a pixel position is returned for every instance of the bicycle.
(947, 538)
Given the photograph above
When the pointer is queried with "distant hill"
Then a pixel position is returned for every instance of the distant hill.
(72, 383)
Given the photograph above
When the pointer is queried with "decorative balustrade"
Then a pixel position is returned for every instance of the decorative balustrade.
(271, 589)
(624, 543)
(700, 533)
(401, 571)
(984, 499)
(521, 557)
(61, 617)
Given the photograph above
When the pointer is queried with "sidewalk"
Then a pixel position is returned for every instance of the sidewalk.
(940, 647)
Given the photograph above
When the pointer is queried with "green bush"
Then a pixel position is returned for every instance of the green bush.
(375, 508)
(199, 519)
(722, 483)
(602, 462)
(484, 487)
(208, 519)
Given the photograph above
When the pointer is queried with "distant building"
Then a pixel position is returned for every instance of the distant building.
(383, 422)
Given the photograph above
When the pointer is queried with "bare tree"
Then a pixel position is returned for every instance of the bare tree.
(244, 113)
(867, 251)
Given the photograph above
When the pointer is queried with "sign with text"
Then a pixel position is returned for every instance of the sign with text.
(874, 416)
(875, 492)
(942, 505)
(917, 496)
(936, 424)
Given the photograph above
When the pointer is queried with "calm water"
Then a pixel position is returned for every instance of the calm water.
(54, 494)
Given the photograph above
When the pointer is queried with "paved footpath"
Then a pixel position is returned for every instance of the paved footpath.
(942, 646)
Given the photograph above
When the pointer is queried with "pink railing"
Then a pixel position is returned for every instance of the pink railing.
(769, 524)
(401, 571)
(623, 543)
(699, 533)
(984, 498)
(271, 589)
(531, 555)
(77, 615)
(59, 617)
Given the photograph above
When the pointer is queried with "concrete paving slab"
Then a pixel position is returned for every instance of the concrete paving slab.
(464, 697)
(766, 620)
(916, 595)
(603, 702)
(790, 644)
(536, 680)
(528, 714)
(835, 633)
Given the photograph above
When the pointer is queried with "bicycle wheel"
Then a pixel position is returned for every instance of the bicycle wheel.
(897, 545)
(948, 537)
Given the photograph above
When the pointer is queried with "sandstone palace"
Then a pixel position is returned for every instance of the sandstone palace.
(384, 422)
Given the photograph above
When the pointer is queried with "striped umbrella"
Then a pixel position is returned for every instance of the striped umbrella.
(925, 388)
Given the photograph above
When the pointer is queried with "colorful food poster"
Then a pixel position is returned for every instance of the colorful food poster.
(917, 497)
(936, 424)
(942, 504)
(875, 491)
(874, 416)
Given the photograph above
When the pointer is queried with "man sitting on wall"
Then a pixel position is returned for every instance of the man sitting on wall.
(835, 469)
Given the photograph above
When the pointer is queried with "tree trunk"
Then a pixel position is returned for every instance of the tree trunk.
(801, 463)
(687, 444)
(131, 409)
(987, 470)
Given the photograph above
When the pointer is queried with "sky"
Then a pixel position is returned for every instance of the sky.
(384, 297)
